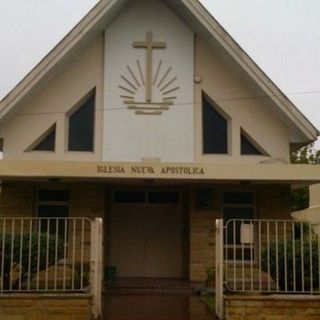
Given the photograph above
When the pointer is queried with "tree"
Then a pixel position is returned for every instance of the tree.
(305, 155)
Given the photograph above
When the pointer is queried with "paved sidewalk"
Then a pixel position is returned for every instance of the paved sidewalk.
(155, 307)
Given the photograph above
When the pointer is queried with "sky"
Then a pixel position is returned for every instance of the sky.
(282, 37)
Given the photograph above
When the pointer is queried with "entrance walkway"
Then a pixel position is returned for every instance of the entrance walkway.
(139, 286)
(155, 307)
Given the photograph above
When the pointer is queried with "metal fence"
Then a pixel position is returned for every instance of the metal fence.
(51, 255)
(44, 254)
(267, 256)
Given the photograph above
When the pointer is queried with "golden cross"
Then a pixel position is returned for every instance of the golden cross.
(149, 44)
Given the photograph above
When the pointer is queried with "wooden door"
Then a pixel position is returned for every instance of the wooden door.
(146, 240)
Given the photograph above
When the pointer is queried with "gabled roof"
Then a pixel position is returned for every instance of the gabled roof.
(200, 20)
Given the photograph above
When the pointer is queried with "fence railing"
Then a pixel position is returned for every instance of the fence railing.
(272, 256)
(44, 254)
(269, 256)
(51, 255)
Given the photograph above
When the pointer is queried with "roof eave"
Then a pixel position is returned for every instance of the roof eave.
(55, 56)
(253, 70)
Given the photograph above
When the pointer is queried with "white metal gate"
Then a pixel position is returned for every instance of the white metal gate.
(51, 255)
(268, 256)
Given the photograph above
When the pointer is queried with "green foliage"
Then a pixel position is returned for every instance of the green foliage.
(210, 274)
(299, 199)
(208, 299)
(291, 256)
(85, 275)
(30, 245)
(305, 155)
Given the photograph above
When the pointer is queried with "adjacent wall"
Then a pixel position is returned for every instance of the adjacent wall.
(315, 195)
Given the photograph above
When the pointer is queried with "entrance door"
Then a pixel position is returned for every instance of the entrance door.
(146, 233)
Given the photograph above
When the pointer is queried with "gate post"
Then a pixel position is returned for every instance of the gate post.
(96, 265)
(219, 269)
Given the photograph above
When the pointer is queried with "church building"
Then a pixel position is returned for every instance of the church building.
(150, 116)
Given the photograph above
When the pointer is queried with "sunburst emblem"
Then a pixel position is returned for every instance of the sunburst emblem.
(150, 93)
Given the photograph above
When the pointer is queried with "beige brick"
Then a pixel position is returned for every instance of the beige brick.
(45, 307)
(267, 308)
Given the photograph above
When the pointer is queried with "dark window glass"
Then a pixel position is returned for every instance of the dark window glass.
(81, 126)
(48, 141)
(215, 130)
(247, 148)
(237, 213)
(238, 198)
(54, 226)
(129, 196)
(53, 195)
(53, 211)
(203, 199)
(50, 205)
(163, 197)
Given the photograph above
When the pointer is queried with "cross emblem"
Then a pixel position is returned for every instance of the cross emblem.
(149, 45)
(159, 87)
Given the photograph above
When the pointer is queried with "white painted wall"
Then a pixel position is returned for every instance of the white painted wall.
(254, 116)
(131, 137)
(315, 195)
(51, 105)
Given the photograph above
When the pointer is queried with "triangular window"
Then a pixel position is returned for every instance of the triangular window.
(214, 128)
(46, 142)
(81, 125)
(249, 146)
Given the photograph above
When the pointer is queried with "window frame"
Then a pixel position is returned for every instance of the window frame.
(51, 203)
(221, 112)
(256, 145)
(146, 201)
(52, 128)
(70, 112)
(38, 203)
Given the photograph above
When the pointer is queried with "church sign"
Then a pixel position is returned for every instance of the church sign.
(150, 170)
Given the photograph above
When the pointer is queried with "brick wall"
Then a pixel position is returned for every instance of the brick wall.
(16, 200)
(39, 307)
(273, 202)
(86, 199)
(272, 307)
(202, 236)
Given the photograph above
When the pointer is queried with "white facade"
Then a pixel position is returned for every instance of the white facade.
(167, 136)
(169, 80)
